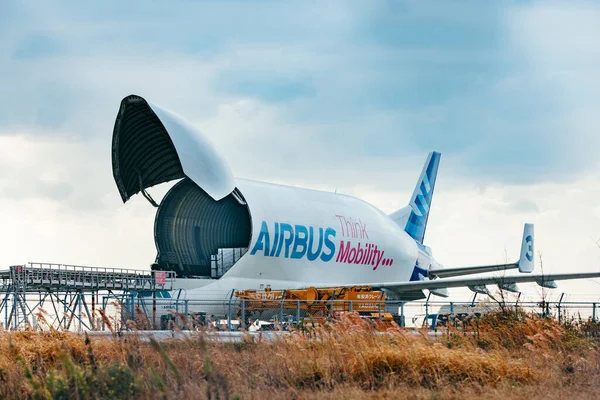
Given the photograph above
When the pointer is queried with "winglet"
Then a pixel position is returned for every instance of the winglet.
(527, 258)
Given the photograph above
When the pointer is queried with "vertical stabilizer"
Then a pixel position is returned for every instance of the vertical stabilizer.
(527, 258)
(420, 202)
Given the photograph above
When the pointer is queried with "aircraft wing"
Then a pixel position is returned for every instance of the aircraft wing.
(449, 272)
(502, 281)
(443, 278)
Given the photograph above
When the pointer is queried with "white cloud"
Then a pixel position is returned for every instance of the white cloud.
(58, 201)
(558, 42)
(84, 225)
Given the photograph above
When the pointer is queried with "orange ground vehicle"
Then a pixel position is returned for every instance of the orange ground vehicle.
(315, 304)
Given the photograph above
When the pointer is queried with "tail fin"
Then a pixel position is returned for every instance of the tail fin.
(527, 258)
(420, 202)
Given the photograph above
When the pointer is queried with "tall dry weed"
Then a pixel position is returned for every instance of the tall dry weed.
(503, 354)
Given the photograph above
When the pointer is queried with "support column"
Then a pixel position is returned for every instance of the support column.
(15, 317)
(93, 311)
(154, 309)
(243, 314)
(79, 309)
(6, 320)
(229, 315)
(65, 312)
(402, 316)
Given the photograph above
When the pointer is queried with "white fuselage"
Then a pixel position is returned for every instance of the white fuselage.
(299, 237)
(303, 237)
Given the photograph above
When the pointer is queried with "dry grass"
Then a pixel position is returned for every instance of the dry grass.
(509, 355)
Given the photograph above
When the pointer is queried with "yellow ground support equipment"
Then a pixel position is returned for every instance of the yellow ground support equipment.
(316, 302)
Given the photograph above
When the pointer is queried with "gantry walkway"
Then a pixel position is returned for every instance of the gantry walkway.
(42, 276)
(68, 289)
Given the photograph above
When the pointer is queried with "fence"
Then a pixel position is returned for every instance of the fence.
(234, 314)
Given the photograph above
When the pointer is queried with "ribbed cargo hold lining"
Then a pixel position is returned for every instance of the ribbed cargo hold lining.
(191, 226)
(141, 147)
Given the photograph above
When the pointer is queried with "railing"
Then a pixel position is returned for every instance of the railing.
(73, 277)
(235, 314)
(225, 258)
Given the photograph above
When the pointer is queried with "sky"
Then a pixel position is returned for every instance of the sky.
(332, 95)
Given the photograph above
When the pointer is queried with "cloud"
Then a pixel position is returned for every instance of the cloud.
(36, 46)
(381, 81)
(345, 96)
(555, 45)
(524, 206)
(69, 174)
(267, 87)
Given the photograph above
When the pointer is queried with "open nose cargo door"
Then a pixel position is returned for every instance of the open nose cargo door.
(203, 218)
(152, 145)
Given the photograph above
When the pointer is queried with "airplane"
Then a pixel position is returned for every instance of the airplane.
(221, 234)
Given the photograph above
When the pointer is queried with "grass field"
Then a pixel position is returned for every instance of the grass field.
(507, 355)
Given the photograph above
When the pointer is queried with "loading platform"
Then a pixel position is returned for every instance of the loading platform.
(71, 292)
(43, 276)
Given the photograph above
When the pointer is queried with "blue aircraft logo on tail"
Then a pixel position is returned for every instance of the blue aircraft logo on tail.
(418, 274)
(420, 201)
(529, 253)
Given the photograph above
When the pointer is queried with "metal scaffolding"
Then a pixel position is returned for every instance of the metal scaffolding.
(68, 297)
(61, 294)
